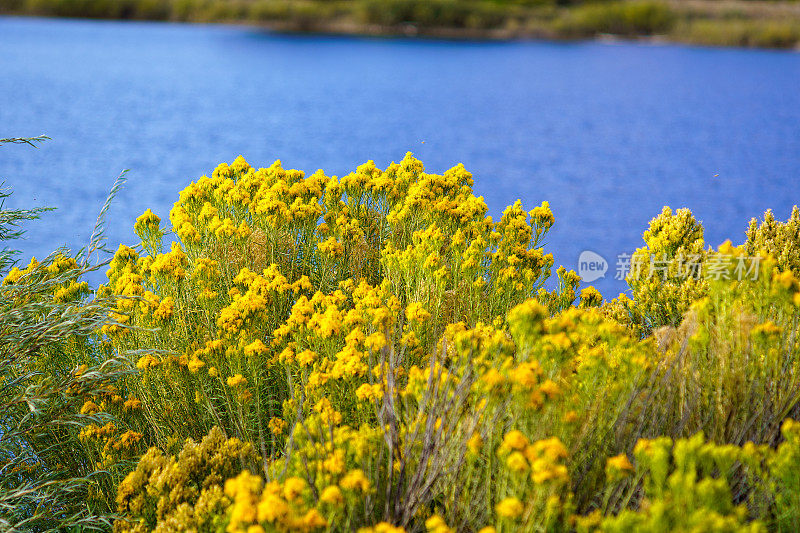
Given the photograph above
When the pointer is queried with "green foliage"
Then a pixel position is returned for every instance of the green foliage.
(618, 18)
(685, 487)
(435, 13)
(781, 32)
(47, 367)
(693, 484)
(25, 140)
(782, 479)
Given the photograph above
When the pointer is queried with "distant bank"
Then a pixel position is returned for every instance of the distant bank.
(749, 23)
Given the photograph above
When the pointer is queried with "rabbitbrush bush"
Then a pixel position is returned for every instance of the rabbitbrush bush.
(375, 353)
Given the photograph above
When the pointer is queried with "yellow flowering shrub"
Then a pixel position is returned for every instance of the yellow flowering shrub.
(666, 275)
(276, 271)
(780, 239)
(531, 484)
(731, 368)
(673, 270)
(386, 357)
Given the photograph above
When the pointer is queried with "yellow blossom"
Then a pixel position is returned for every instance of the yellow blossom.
(132, 404)
(516, 462)
(618, 467)
(355, 479)
(369, 392)
(332, 495)
(436, 524)
(314, 520)
(276, 425)
(509, 508)
(89, 408)
(293, 487)
(415, 312)
(195, 364)
(257, 347)
(475, 443)
(235, 381)
(550, 388)
(515, 440)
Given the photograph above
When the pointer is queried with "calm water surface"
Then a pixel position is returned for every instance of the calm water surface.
(607, 133)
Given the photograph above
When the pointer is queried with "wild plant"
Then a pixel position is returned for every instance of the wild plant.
(49, 367)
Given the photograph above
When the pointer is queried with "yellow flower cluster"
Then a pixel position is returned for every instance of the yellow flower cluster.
(162, 489)
(391, 352)
(61, 272)
(540, 459)
(106, 442)
(618, 467)
(778, 239)
(666, 275)
(170, 266)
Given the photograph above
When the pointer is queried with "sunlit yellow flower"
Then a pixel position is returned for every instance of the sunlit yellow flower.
(369, 392)
(475, 443)
(132, 404)
(272, 507)
(618, 467)
(313, 520)
(146, 222)
(306, 357)
(415, 312)
(89, 408)
(293, 487)
(195, 364)
(515, 440)
(355, 480)
(550, 388)
(436, 524)
(257, 347)
(509, 508)
(516, 462)
(277, 425)
(235, 381)
(332, 495)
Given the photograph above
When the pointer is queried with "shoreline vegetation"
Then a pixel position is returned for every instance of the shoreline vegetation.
(745, 23)
(374, 353)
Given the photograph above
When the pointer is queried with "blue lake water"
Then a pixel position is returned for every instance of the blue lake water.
(607, 133)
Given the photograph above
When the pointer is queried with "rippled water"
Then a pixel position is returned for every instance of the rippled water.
(608, 133)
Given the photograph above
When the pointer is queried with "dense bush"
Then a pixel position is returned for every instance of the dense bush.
(435, 13)
(783, 33)
(661, 275)
(374, 352)
(619, 18)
